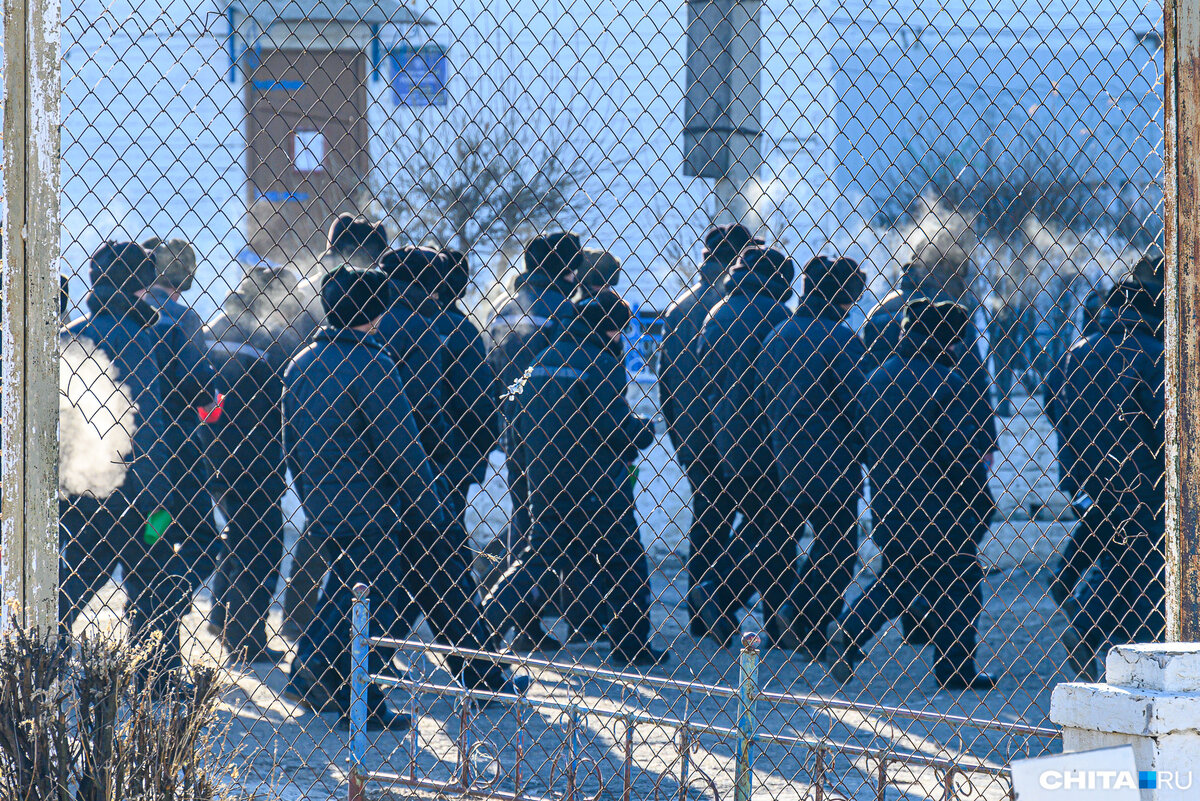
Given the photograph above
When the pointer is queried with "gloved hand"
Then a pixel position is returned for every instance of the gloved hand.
(156, 525)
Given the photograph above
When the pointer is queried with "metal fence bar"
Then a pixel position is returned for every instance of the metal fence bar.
(747, 716)
(1182, 245)
(359, 681)
(29, 293)
(711, 690)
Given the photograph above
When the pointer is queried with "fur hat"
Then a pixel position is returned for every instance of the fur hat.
(605, 312)
(121, 268)
(349, 234)
(840, 281)
(413, 264)
(600, 269)
(554, 255)
(175, 260)
(1144, 297)
(355, 297)
(942, 322)
(724, 243)
(767, 262)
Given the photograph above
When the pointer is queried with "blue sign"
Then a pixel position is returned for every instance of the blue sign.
(419, 75)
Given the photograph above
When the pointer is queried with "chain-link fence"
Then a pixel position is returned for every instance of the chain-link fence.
(736, 396)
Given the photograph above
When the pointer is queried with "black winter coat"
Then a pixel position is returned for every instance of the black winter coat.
(728, 349)
(1106, 401)
(123, 330)
(680, 376)
(469, 393)
(352, 442)
(247, 449)
(881, 336)
(528, 323)
(188, 382)
(921, 445)
(812, 377)
(417, 350)
(575, 423)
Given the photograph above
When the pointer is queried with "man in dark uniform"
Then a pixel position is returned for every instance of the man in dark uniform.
(811, 369)
(368, 488)
(581, 435)
(469, 395)
(533, 319)
(680, 386)
(188, 438)
(1106, 401)
(355, 241)
(249, 478)
(729, 347)
(133, 526)
(941, 277)
(921, 443)
(414, 344)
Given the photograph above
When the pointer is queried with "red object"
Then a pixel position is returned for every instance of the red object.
(212, 413)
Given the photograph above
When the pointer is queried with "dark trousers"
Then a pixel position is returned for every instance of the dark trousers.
(517, 534)
(710, 534)
(761, 555)
(431, 573)
(1122, 598)
(159, 579)
(1088, 541)
(950, 582)
(828, 570)
(244, 584)
(605, 547)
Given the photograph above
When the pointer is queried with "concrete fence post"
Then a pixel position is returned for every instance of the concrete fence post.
(1150, 700)
(29, 322)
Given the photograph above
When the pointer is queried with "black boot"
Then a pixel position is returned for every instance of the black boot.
(842, 655)
(779, 628)
(306, 689)
(717, 623)
(380, 715)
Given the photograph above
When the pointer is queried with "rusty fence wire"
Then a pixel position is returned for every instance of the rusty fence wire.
(714, 398)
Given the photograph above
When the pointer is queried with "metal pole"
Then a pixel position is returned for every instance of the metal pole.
(359, 679)
(747, 716)
(1182, 245)
(29, 314)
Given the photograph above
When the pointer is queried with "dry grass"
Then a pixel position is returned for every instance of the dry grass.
(104, 721)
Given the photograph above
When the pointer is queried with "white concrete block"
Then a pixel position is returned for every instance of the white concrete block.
(1152, 702)
(1156, 666)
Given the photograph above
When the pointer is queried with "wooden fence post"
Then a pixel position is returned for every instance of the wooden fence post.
(29, 322)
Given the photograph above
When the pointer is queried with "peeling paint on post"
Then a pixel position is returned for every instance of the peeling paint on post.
(29, 312)
(1182, 244)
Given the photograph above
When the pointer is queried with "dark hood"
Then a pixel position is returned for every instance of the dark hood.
(120, 305)
(748, 283)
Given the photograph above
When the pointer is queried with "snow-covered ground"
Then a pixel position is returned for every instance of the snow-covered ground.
(294, 754)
